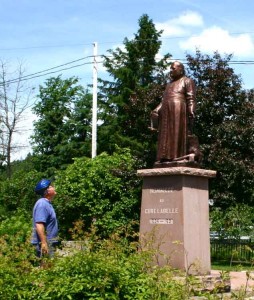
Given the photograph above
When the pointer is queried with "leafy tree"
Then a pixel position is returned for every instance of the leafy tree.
(62, 130)
(235, 222)
(136, 89)
(223, 123)
(15, 98)
(103, 191)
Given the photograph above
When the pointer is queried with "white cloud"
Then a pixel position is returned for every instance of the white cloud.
(189, 18)
(180, 26)
(217, 39)
(170, 30)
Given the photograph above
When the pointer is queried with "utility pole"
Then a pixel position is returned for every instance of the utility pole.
(94, 120)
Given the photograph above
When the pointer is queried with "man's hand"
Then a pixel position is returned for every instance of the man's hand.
(44, 248)
(40, 228)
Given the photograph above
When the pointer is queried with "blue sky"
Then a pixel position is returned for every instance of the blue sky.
(47, 33)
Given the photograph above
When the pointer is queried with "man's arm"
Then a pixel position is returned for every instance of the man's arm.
(40, 228)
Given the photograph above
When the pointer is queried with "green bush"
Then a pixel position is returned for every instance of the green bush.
(112, 268)
(104, 191)
(108, 269)
(104, 274)
(16, 255)
(18, 192)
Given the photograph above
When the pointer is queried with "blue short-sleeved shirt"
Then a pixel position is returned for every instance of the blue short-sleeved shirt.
(44, 212)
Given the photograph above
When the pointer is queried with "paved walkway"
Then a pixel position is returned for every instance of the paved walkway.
(239, 280)
(241, 284)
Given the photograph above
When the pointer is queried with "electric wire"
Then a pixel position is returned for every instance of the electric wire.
(29, 75)
(44, 74)
(35, 75)
(57, 66)
(113, 42)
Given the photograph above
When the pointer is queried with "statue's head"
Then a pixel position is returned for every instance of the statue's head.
(176, 70)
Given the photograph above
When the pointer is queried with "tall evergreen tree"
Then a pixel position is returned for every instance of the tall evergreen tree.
(136, 89)
(224, 124)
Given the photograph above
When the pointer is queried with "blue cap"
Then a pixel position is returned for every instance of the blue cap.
(41, 186)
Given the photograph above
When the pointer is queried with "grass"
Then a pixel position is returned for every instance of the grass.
(225, 266)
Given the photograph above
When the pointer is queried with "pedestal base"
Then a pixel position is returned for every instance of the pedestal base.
(175, 217)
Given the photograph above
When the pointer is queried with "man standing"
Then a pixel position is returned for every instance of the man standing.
(45, 226)
(174, 114)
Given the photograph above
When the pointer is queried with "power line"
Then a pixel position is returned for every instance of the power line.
(48, 46)
(39, 73)
(23, 79)
(35, 75)
(29, 75)
(113, 42)
(232, 62)
(68, 63)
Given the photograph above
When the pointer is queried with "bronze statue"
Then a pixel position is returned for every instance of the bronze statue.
(174, 118)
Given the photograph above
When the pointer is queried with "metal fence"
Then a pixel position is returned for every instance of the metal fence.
(232, 251)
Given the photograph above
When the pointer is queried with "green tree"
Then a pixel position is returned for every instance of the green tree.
(62, 130)
(136, 89)
(235, 222)
(224, 125)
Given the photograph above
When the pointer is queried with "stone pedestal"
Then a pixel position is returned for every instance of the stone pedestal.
(175, 217)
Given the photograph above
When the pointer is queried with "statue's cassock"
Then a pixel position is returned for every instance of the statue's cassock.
(178, 105)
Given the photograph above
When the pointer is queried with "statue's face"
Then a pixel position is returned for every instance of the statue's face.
(176, 71)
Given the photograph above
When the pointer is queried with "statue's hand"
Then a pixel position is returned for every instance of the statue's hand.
(154, 120)
(153, 129)
(156, 110)
(191, 112)
(154, 114)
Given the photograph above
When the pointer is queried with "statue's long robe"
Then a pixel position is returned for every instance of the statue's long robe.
(179, 95)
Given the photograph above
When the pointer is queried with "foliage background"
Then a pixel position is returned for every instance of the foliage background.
(97, 199)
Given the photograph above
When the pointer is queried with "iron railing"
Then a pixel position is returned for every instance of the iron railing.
(232, 250)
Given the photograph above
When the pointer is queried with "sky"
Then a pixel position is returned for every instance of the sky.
(53, 37)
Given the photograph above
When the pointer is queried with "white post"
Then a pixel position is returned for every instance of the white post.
(94, 120)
